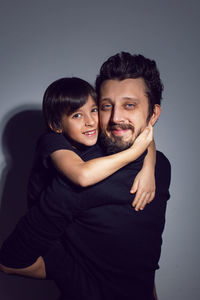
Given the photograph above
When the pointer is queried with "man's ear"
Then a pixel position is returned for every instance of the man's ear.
(156, 114)
(56, 130)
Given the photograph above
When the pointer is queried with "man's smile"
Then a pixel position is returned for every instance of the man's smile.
(119, 131)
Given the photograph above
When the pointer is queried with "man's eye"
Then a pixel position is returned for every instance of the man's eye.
(106, 107)
(76, 116)
(129, 105)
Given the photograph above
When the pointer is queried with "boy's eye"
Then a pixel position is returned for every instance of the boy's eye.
(77, 115)
(95, 109)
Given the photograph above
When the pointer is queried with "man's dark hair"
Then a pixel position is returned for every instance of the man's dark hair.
(64, 96)
(124, 65)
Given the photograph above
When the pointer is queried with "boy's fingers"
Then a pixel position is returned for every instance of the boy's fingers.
(145, 201)
(137, 198)
(146, 198)
(140, 201)
(149, 125)
(152, 196)
(134, 187)
(147, 130)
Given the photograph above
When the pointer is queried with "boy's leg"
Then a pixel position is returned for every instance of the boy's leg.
(51, 266)
(155, 293)
(36, 270)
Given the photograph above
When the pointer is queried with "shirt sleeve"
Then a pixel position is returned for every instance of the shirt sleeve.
(43, 169)
(51, 142)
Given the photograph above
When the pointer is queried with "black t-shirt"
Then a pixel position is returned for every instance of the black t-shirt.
(43, 169)
(112, 251)
(48, 215)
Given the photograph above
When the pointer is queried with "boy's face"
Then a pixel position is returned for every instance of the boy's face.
(82, 125)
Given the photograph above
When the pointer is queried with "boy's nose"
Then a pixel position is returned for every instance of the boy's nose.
(89, 121)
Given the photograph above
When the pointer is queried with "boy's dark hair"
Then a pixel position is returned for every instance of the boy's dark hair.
(124, 65)
(64, 96)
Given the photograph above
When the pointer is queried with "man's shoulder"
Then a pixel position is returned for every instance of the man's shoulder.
(162, 171)
(161, 159)
(95, 151)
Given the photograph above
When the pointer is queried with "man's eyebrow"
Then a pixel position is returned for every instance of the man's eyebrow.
(123, 98)
(105, 99)
(131, 99)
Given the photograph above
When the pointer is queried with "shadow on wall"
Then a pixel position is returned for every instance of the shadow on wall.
(19, 137)
(18, 143)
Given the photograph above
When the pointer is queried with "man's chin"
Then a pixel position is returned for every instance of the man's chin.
(113, 144)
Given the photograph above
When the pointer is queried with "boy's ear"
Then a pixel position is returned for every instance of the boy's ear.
(156, 114)
(57, 130)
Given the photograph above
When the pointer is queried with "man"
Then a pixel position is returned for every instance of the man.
(111, 251)
(108, 251)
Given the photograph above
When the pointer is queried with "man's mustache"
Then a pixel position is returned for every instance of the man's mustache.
(115, 126)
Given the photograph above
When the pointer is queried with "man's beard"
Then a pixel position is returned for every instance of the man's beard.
(115, 144)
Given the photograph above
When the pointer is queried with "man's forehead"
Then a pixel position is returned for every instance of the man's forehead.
(132, 89)
(123, 98)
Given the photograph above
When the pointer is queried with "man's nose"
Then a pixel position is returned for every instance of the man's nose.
(117, 115)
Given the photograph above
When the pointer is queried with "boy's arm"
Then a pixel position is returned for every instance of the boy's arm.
(144, 183)
(95, 170)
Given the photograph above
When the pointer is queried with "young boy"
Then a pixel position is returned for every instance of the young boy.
(71, 114)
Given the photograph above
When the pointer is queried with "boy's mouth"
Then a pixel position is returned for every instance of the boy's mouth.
(90, 132)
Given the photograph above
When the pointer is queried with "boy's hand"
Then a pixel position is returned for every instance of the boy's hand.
(144, 138)
(144, 187)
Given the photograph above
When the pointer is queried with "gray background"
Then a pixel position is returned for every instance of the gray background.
(45, 40)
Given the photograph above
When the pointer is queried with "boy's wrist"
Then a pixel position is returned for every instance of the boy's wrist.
(149, 167)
